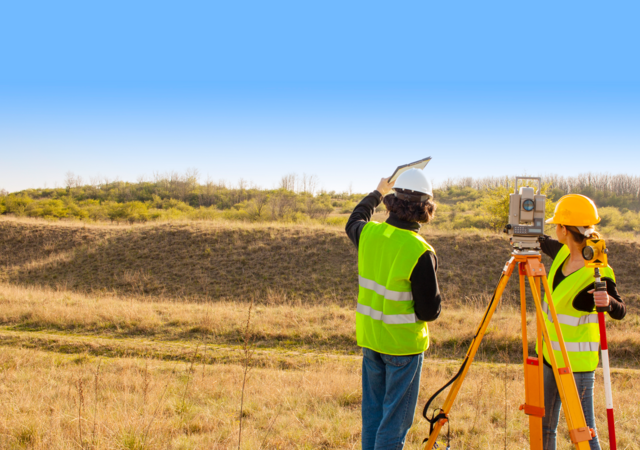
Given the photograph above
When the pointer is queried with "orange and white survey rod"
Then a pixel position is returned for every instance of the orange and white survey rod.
(602, 286)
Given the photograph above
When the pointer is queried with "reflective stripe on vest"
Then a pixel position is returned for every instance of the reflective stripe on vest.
(577, 346)
(569, 320)
(385, 315)
(386, 293)
(580, 329)
(393, 319)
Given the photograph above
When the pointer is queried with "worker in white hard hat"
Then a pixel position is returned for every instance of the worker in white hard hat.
(398, 295)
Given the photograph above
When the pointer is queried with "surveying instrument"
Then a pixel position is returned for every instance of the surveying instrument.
(526, 219)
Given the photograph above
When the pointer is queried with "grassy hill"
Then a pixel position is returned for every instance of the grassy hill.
(272, 263)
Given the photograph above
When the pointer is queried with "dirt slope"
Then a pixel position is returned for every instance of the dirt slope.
(217, 261)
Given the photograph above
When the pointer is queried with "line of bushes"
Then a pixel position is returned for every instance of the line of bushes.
(462, 204)
(276, 205)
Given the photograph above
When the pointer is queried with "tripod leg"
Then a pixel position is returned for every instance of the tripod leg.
(579, 432)
(533, 384)
(471, 353)
(539, 326)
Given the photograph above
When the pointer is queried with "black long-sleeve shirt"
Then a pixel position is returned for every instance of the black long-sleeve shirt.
(424, 284)
(584, 301)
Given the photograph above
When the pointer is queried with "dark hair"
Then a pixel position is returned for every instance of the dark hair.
(578, 237)
(421, 211)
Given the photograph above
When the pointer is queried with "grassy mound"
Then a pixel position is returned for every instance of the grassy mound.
(273, 263)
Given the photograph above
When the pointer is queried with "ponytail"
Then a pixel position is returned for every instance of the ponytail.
(578, 237)
(594, 235)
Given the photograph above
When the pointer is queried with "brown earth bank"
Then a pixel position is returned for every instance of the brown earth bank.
(271, 263)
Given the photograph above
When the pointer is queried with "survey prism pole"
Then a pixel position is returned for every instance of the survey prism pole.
(602, 286)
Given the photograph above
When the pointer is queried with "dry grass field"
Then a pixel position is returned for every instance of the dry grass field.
(134, 338)
(57, 401)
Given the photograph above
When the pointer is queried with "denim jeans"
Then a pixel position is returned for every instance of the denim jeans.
(390, 387)
(552, 403)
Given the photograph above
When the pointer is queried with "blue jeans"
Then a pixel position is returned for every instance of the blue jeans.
(390, 387)
(552, 403)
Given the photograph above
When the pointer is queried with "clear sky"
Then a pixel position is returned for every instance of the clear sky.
(342, 90)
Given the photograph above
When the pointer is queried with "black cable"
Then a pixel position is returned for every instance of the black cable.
(441, 415)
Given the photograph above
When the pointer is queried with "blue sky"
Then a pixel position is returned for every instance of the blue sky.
(342, 90)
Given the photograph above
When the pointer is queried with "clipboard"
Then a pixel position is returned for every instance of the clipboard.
(421, 164)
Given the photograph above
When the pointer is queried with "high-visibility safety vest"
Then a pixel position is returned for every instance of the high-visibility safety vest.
(385, 317)
(579, 329)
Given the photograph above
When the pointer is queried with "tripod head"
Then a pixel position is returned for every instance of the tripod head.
(526, 252)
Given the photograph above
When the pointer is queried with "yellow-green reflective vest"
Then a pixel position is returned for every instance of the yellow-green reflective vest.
(385, 319)
(579, 329)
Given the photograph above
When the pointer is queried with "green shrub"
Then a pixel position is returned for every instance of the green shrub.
(319, 207)
(203, 213)
(233, 214)
(347, 207)
(338, 220)
(17, 204)
(48, 209)
(136, 212)
(95, 210)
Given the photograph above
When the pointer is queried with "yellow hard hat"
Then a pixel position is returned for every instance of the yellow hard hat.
(575, 210)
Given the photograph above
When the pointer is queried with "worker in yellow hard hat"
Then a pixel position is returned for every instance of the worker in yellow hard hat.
(575, 301)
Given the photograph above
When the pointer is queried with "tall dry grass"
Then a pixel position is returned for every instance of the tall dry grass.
(141, 405)
(319, 328)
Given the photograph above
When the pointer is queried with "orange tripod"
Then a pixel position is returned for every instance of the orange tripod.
(530, 266)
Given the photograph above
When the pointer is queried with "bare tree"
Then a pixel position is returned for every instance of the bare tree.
(192, 175)
(69, 180)
(72, 181)
(206, 195)
(95, 182)
(281, 204)
(309, 183)
(288, 182)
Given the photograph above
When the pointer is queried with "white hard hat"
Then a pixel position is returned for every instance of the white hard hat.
(414, 180)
